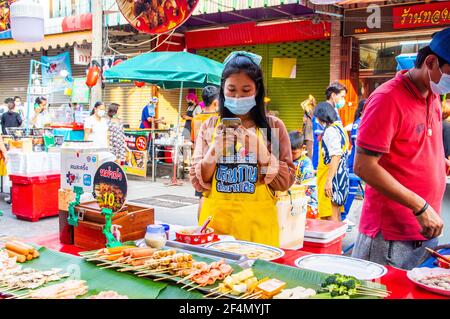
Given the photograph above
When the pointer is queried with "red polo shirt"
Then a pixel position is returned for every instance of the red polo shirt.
(395, 123)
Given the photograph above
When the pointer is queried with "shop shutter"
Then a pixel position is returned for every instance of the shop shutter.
(132, 99)
(14, 72)
(313, 70)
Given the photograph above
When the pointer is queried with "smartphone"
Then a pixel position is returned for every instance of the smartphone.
(231, 122)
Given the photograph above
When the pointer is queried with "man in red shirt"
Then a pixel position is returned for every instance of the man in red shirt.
(400, 155)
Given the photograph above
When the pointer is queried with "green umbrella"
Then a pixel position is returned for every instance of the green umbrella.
(169, 70)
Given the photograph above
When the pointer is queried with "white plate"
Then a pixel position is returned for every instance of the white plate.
(418, 273)
(249, 244)
(331, 264)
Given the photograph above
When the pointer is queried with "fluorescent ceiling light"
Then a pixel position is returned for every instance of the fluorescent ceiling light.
(207, 29)
(273, 22)
(414, 42)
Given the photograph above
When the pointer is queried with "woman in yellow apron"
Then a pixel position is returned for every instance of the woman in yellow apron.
(332, 170)
(239, 183)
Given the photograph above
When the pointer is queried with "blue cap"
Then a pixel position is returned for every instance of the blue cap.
(440, 44)
(155, 229)
(166, 227)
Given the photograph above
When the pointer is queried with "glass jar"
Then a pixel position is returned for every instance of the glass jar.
(155, 237)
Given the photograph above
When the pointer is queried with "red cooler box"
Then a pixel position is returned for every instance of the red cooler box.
(35, 196)
(324, 236)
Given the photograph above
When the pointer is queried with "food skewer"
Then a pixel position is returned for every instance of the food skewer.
(256, 295)
(195, 287)
(437, 255)
(212, 292)
(222, 294)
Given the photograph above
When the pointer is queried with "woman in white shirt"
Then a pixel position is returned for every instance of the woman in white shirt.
(96, 126)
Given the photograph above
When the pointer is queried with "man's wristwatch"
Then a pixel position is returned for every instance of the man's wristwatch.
(423, 210)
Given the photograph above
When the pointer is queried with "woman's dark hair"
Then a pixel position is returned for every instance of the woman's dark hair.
(209, 94)
(96, 105)
(423, 54)
(359, 109)
(39, 100)
(335, 88)
(238, 64)
(297, 140)
(112, 109)
(325, 112)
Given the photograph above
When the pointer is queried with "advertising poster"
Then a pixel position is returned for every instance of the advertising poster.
(80, 91)
(156, 16)
(137, 153)
(58, 74)
(110, 186)
(78, 169)
(82, 53)
(5, 26)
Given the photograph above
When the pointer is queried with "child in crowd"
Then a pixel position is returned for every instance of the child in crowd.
(305, 174)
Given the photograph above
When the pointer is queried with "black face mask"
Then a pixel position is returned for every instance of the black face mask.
(190, 103)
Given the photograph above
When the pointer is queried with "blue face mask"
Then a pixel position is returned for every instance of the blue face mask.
(240, 106)
(340, 104)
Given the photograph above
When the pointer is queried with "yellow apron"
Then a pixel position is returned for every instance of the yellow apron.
(324, 202)
(250, 215)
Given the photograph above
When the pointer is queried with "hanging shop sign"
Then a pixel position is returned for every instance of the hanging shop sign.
(136, 156)
(58, 72)
(421, 16)
(378, 19)
(156, 17)
(108, 61)
(82, 54)
(80, 91)
(110, 186)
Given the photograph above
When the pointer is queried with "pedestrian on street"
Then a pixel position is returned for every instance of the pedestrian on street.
(19, 108)
(96, 126)
(308, 106)
(335, 95)
(10, 118)
(332, 169)
(354, 133)
(400, 155)
(192, 111)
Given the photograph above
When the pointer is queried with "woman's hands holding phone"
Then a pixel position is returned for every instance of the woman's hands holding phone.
(224, 138)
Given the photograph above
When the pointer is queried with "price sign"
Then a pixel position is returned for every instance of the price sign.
(110, 186)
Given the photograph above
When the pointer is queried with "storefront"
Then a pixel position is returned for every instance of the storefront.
(385, 32)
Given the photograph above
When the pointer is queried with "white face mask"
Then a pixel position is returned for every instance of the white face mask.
(101, 113)
(443, 86)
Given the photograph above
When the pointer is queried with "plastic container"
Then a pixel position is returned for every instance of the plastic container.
(332, 247)
(168, 154)
(324, 229)
(35, 196)
(155, 236)
(185, 236)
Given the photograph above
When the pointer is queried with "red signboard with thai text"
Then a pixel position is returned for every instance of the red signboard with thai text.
(419, 16)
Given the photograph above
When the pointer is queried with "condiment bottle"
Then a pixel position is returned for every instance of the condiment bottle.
(155, 237)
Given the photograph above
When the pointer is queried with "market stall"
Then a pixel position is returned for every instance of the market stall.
(169, 70)
(159, 284)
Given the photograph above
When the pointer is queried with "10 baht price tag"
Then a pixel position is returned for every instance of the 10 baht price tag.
(110, 186)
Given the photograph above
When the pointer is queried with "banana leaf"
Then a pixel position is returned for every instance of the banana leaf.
(299, 277)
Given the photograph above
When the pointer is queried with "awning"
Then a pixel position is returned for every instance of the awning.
(11, 46)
